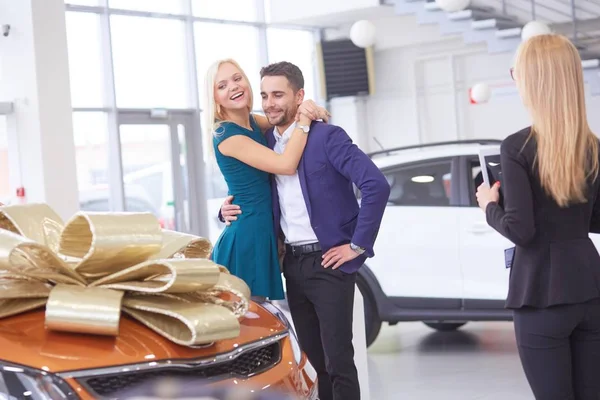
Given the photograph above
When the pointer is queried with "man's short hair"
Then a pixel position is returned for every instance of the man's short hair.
(287, 69)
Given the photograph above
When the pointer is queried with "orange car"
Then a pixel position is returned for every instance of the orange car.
(40, 364)
(126, 304)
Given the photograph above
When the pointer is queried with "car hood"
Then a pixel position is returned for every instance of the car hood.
(24, 340)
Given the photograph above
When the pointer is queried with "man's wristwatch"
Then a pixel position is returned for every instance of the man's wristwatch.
(357, 249)
(305, 128)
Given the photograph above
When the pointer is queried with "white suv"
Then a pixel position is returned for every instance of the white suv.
(436, 259)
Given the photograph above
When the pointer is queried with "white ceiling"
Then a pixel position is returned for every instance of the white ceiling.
(334, 20)
(558, 13)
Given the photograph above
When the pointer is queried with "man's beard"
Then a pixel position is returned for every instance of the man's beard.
(285, 118)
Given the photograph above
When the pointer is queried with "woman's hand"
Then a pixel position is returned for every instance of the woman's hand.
(312, 111)
(303, 119)
(486, 195)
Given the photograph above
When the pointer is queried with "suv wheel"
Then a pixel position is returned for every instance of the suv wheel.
(372, 320)
(444, 326)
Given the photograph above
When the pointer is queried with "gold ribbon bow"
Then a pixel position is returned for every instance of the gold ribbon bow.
(99, 264)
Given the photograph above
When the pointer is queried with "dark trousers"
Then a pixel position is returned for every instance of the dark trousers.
(560, 350)
(321, 302)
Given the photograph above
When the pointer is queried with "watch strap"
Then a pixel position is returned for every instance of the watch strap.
(358, 249)
(304, 128)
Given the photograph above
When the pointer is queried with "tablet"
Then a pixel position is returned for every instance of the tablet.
(489, 159)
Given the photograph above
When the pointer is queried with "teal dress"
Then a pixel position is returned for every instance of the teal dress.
(247, 247)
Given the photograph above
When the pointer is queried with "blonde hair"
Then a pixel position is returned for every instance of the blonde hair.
(549, 77)
(214, 114)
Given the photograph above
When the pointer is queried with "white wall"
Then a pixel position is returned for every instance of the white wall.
(282, 11)
(422, 82)
(354, 113)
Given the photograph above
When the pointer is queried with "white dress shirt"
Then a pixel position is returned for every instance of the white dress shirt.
(295, 221)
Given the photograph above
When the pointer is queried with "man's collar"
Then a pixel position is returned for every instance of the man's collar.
(283, 138)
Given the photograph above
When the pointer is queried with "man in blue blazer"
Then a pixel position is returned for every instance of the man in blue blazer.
(327, 234)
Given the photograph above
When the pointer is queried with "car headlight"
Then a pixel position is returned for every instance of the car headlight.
(19, 382)
(293, 338)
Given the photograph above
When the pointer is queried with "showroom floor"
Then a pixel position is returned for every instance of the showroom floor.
(477, 362)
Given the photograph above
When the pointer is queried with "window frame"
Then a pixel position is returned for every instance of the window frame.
(455, 185)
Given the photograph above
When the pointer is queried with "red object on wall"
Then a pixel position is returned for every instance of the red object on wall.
(21, 192)
(471, 97)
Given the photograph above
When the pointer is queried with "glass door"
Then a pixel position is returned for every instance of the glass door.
(5, 196)
(154, 169)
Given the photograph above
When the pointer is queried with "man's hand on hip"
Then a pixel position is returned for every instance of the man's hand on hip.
(229, 211)
(337, 256)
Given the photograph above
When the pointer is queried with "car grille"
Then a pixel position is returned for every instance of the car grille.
(246, 364)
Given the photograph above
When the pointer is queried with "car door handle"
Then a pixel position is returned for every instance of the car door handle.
(480, 227)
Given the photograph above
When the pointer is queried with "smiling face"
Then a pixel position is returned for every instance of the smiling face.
(232, 89)
(279, 101)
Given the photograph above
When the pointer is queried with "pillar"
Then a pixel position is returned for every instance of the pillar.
(34, 76)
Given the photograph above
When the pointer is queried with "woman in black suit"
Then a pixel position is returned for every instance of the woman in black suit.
(550, 187)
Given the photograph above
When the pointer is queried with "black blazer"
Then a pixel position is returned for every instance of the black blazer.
(555, 261)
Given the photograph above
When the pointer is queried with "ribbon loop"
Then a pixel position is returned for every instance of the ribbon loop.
(182, 245)
(107, 243)
(99, 264)
(10, 307)
(14, 288)
(38, 222)
(183, 322)
(172, 276)
(84, 310)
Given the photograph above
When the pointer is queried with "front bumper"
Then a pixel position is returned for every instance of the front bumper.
(285, 376)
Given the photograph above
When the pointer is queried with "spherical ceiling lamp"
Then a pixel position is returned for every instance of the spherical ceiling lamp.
(534, 28)
(481, 93)
(453, 5)
(362, 33)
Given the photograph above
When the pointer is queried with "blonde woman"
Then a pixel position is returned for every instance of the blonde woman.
(248, 248)
(550, 189)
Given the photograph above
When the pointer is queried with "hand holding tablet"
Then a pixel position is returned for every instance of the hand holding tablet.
(489, 159)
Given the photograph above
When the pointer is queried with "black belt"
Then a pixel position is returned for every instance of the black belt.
(303, 249)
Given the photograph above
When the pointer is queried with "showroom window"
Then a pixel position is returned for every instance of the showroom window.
(423, 184)
(235, 10)
(138, 61)
(4, 177)
(302, 54)
(215, 185)
(158, 6)
(92, 3)
(84, 40)
(91, 153)
(150, 65)
(240, 42)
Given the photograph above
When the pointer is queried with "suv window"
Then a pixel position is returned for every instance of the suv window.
(424, 184)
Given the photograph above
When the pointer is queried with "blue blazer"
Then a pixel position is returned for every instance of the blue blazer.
(331, 163)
